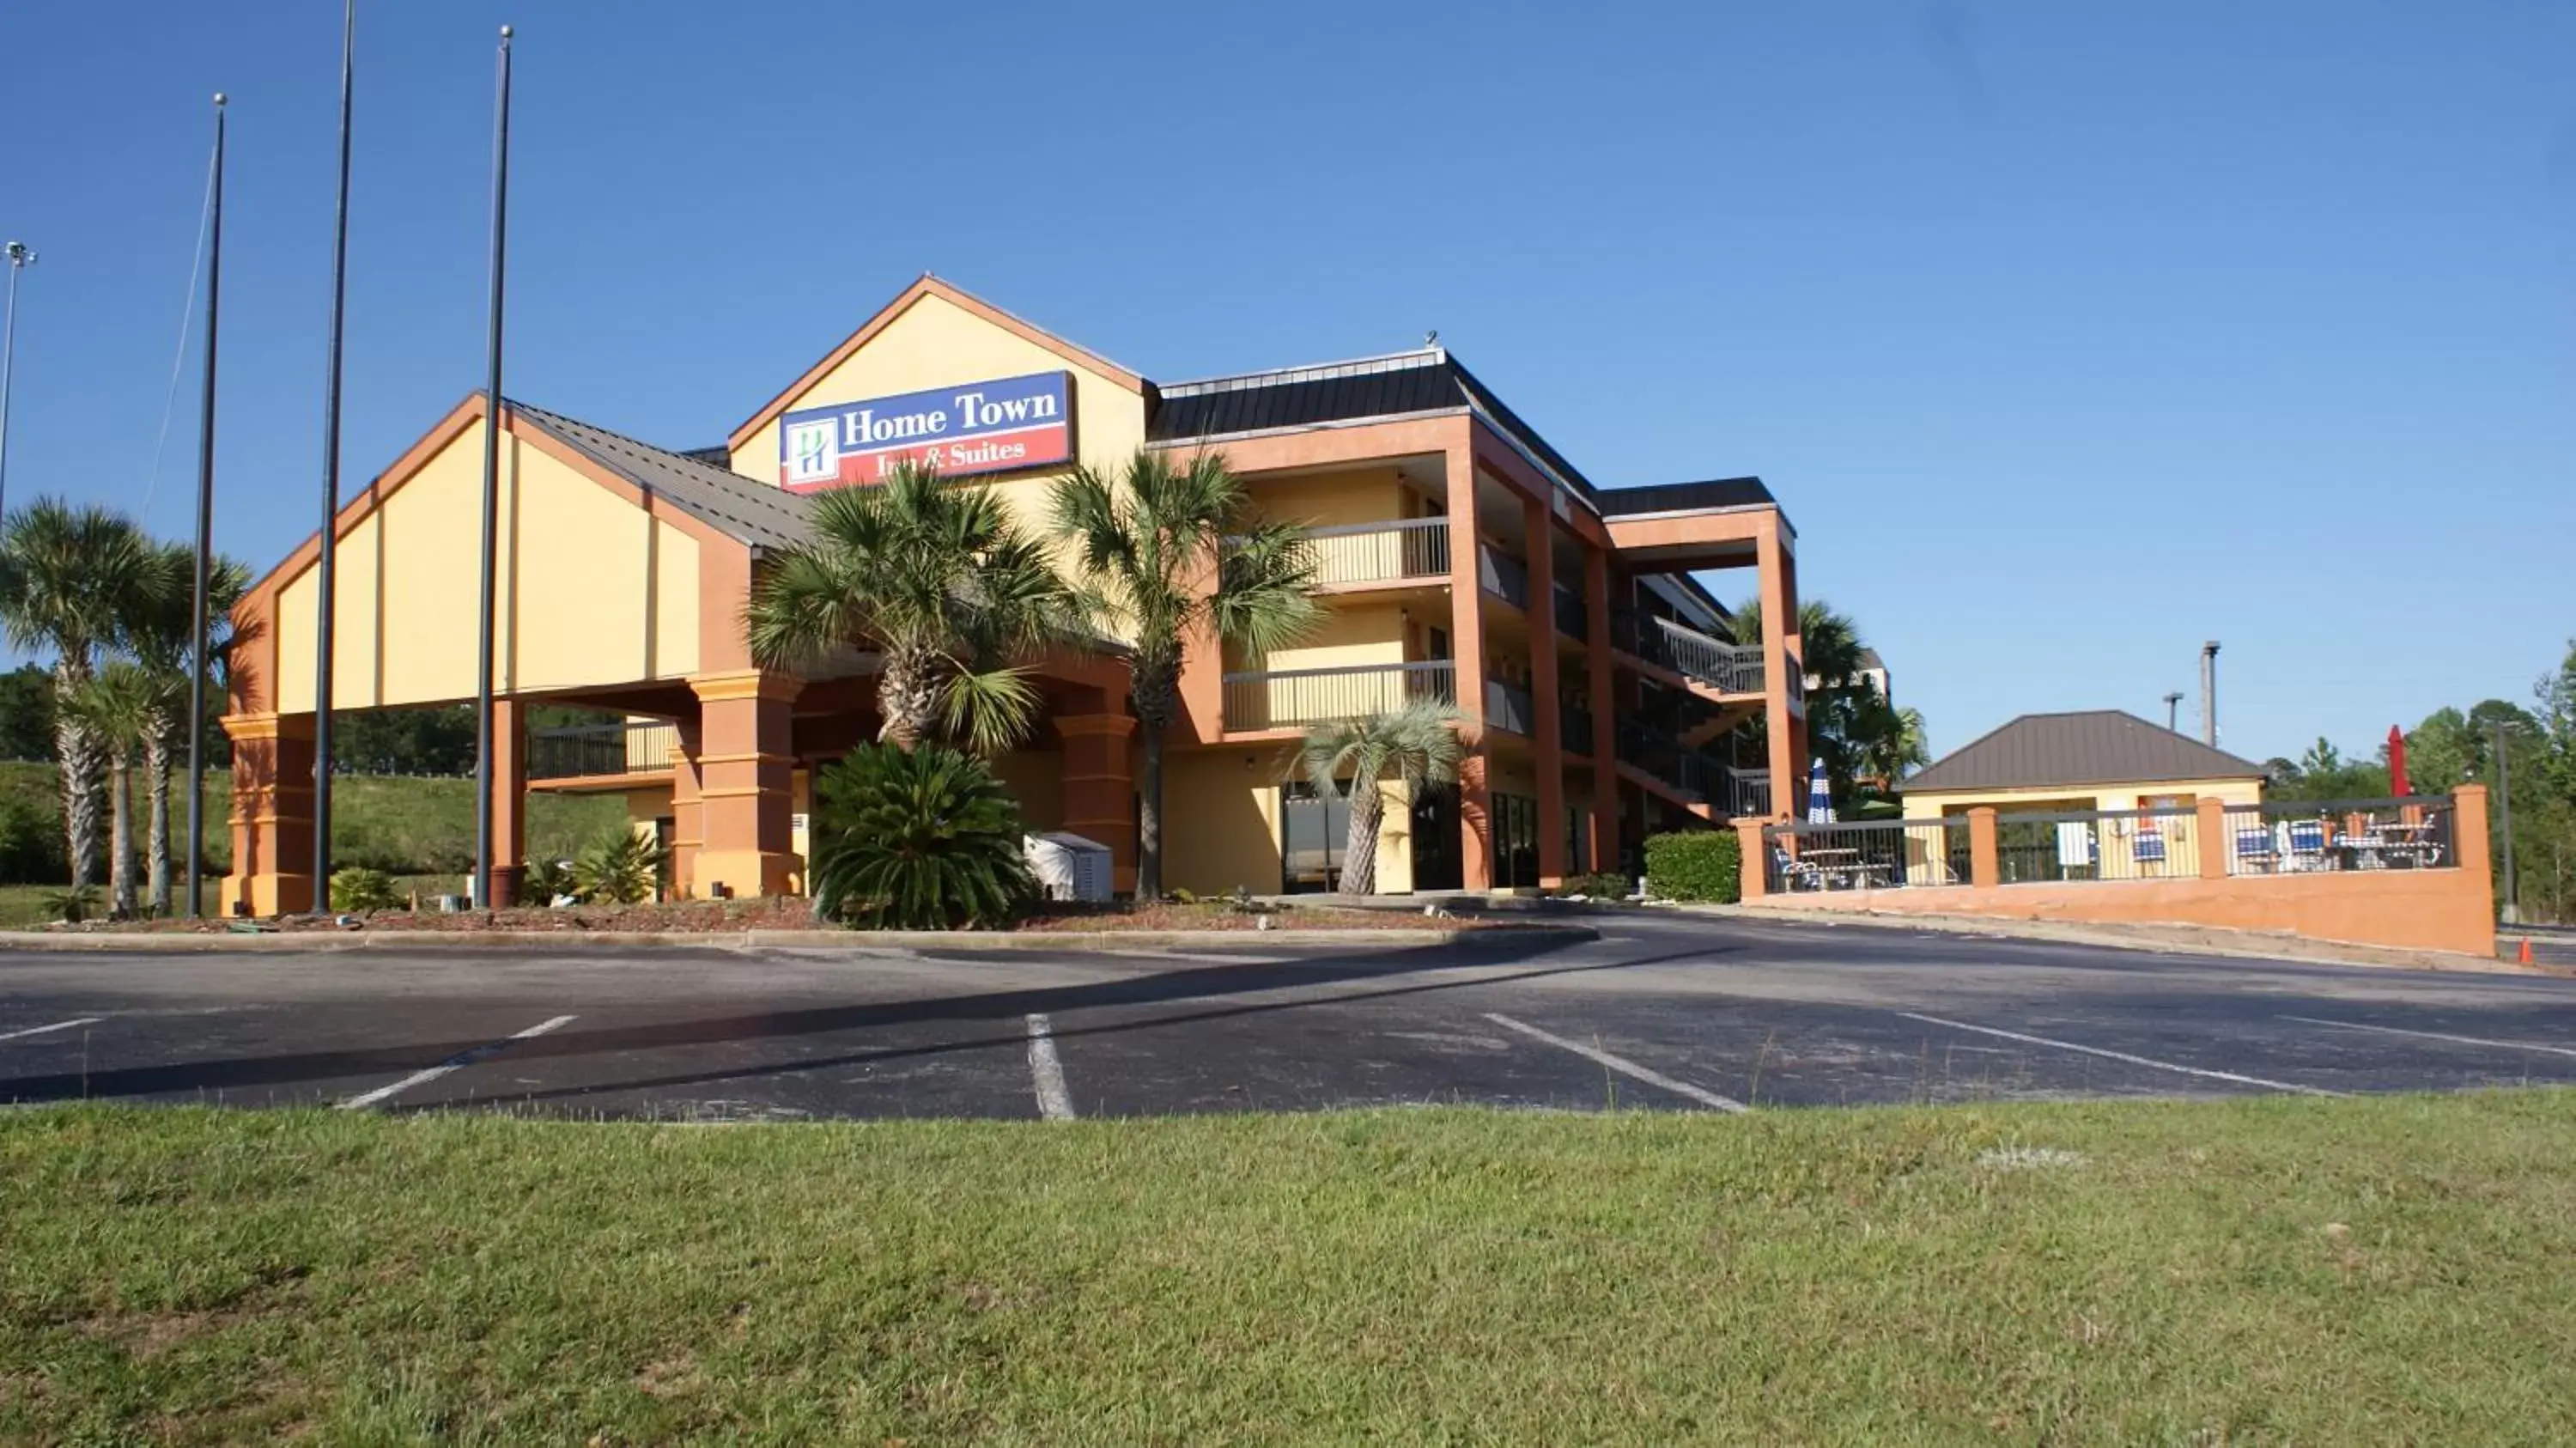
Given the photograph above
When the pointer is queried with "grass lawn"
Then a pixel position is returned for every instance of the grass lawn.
(2274, 1270)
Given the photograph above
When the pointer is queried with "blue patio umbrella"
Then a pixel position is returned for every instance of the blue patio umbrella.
(1820, 798)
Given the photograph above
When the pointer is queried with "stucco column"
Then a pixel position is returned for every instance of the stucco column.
(1605, 714)
(272, 815)
(1547, 729)
(1985, 857)
(1100, 789)
(2214, 845)
(1755, 858)
(1467, 649)
(687, 830)
(746, 773)
(509, 800)
(1785, 726)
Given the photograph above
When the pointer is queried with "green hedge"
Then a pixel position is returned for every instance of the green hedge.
(1706, 865)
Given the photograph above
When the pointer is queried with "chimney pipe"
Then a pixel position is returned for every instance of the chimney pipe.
(2173, 711)
(2209, 693)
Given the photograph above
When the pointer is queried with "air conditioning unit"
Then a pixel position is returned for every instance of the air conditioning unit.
(1069, 867)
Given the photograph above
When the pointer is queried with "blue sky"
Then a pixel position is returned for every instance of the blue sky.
(2069, 335)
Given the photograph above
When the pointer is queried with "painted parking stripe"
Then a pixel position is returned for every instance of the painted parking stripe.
(2436, 1036)
(2147, 1061)
(1055, 1103)
(456, 1062)
(56, 1026)
(1622, 1065)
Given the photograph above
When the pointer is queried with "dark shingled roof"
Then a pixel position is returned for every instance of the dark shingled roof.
(2096, 746)
(749, 512)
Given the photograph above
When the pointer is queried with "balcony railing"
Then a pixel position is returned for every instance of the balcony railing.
(1574, 726)
(1509, 707)
(1502, 575)
(599, 750)
(1296, 698)
(1381, 552)
(1727, 668)
(1572, 618)
(1748, 793)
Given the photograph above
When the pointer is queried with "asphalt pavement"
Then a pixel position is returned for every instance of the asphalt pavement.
(1663, 1012)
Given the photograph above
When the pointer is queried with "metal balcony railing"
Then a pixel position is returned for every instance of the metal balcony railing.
(1296, 698)
(1509, 707)
(1574, 726)
(1381, 552)
(1572, 619)
(1748, 793)
(1727, 668)
(597, 750)
(1502, 575)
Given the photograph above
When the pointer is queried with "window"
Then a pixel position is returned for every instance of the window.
(1515, 826)
(1312, 831)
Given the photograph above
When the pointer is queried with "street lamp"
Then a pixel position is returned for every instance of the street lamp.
(21, 256)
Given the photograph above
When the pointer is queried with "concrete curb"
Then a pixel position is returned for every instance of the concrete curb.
(2197, 939)
(855, 942)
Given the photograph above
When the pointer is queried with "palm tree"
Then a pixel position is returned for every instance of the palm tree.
(1417, 744)
(69, 579)
(1149, 540)
(159, 633)
(1828, 640)
(115, 707)
(1891, 740)
(940, 582)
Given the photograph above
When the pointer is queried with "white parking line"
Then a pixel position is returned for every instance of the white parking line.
(2121, 1056)
(1622, 1065)
(2436, 1036)
(56, 1026)
(1055, 1103)
(458, 1061)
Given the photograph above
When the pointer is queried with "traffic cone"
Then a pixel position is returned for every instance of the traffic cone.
(2525, 957)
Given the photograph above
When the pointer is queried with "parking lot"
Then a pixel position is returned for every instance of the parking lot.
(1661, 1013)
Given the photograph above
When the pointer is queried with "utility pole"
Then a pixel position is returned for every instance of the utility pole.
(327, 605)
(2173, 712)
(2504, 815)
(2209, 693)
(199, 666)
(21, 257)
(491, 487)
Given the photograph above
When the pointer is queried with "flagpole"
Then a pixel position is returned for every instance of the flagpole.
(205, 534)
(328, 603)
(491, 488)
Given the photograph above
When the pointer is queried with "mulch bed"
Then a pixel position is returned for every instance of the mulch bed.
(789, 913)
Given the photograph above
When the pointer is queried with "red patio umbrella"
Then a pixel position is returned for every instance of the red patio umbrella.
(2397, 762)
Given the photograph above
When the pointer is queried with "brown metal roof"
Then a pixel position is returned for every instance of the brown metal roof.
(2093, 746)
(750, 512)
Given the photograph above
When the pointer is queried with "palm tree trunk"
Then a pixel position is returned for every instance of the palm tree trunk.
(77, 754)
(1359, 850)
(156, 774)
(120, 849)
(908, 697)
(1156, 693)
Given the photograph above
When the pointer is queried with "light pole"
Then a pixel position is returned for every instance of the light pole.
(21, 256)
(2173, 712)
(2504, 816)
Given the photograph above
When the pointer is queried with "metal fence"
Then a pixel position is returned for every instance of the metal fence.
(1502, 575)
(1510, 707)
(1295, 698)
(1865, 855)
(1573, 618)
(1725, 667)
(2130, 844)
(1748, 793)
(1574, 727)
(1381, 552)
(592, 750)
(2291, 837)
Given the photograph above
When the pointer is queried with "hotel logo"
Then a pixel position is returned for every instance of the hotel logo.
(813, 451)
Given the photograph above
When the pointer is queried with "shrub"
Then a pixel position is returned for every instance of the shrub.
(922, 841)
(359, 888)
(1704, 865)
(621, 867)
(71, 906)
(547, 878)
(1599, 886)
(31, 841)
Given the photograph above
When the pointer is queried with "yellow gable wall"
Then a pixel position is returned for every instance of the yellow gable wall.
(1932, 806)
(936, 343)
(593, 589)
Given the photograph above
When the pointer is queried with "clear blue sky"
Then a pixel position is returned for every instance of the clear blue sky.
(2070, 335)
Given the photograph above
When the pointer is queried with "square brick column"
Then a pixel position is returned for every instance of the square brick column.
(1100, 789)
(272, 815)
(1548, 729)
(746, 769)
(688, 830)
(1785, 724)
(509, 800)
(1467, 650)
(1605, 713)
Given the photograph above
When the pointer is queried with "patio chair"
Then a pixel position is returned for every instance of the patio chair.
(2148, 847)
(2307, 844)
(2256, 849)
(1794, 873)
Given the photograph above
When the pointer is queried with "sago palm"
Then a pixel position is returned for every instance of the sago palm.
(70, 578)
(938, 581)
(159, 633)
(115, 707)
(1168, 553)
(917, 840)
(1417, 744)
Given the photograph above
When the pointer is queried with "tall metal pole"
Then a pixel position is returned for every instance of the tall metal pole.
(2504, 816)
(491, 489)
(2209, 693)
(331, 487)
(205, 535)
(20, 256)
(2173, 712)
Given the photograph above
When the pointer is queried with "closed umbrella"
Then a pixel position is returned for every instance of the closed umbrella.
(2397, 781)
(1820, 798)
